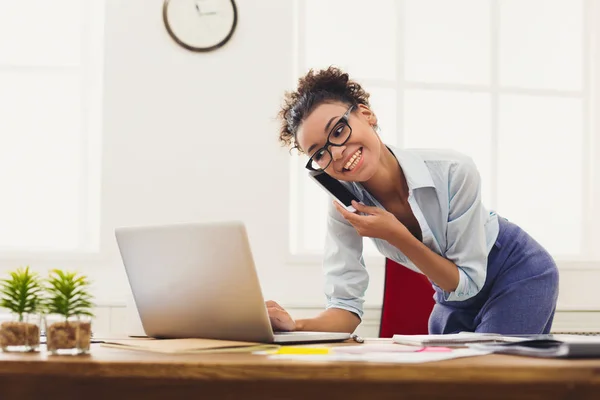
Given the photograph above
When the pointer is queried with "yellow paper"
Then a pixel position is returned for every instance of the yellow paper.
(301, 350)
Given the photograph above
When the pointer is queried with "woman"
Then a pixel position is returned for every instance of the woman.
(423, 210)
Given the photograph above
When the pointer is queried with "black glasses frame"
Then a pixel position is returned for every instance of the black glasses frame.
(343, 120)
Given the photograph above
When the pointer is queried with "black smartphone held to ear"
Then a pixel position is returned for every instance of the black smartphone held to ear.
(335, 189)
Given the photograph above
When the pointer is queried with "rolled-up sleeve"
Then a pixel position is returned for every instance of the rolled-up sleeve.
(346, 278)
(466, 237)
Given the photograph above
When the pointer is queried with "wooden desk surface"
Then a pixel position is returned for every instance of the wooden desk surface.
(115, 373)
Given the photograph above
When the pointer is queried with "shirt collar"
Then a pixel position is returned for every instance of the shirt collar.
(416, 172)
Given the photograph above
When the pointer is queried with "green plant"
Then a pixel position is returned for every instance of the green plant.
(21, 293)
(68, 294)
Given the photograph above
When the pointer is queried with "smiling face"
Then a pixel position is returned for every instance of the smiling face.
(358, 159)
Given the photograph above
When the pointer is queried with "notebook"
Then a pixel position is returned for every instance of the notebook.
(554, 346)
(182, 346)
(455, 339)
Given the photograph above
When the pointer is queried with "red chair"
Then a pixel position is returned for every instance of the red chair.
(407, 301)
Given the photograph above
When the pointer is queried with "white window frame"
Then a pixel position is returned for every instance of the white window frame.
(590, 96)
(91, 68)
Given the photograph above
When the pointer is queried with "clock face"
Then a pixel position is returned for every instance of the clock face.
(200, 25)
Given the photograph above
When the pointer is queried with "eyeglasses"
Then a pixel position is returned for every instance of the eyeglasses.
(338, 136)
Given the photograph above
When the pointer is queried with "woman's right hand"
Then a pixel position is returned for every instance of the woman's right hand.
(280, 319)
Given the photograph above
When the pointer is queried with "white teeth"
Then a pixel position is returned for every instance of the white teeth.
(352, 162)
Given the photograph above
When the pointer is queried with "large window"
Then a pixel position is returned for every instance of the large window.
(50, 125)
(508, 82)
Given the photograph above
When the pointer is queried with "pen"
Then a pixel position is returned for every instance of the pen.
(357, 338)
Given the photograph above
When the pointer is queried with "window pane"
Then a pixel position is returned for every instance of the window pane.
(356, 36)
(448, 41)
(541, 43)
(369, 248)
(40, 160)
(458, 121)
(40, 32)
(312, 212)
(314, 201)
(540, 169)
(383, 103)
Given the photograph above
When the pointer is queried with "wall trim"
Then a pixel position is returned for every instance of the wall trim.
(113, 318)
(378, 261)
(581, 321)
(377, 308)
(568, 319)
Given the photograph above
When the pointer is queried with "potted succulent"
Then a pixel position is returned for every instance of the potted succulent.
(68, 306)
(21, 295)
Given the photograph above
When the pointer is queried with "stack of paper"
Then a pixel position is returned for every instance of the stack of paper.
(452, 340)
(378, 352)
(187, 345)
(382, 348)
(400, 357)
(551, 346)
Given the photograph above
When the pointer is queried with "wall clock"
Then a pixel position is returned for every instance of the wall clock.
(200, 25)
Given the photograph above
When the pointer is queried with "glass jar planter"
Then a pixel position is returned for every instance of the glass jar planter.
(68, 336)
(20, 333)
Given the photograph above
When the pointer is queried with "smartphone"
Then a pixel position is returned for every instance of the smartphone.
(338, 191)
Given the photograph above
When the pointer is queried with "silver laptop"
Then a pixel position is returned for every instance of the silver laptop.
(199, 281)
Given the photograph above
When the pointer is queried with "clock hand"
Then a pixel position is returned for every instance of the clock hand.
(206, 13)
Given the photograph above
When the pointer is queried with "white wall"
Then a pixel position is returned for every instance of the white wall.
(193, 137)
(185, 132)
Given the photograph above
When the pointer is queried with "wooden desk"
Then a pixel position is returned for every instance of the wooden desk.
(114, 373)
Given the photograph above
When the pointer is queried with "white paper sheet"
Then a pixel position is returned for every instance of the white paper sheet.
(393, 357)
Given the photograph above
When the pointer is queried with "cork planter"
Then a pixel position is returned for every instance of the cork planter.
(20, 334)
(71, 336)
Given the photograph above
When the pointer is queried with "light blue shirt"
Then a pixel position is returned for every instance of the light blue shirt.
(444, 193)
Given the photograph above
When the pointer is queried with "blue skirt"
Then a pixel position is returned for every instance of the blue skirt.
(518, 297)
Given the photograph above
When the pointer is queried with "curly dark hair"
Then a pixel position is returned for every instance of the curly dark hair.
(315, 88)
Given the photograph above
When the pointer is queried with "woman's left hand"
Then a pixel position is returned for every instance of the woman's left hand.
(375, 222)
